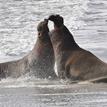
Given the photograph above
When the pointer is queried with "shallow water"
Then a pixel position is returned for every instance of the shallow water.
(87, 20)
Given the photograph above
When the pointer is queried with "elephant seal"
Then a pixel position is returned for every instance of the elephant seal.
(42, 58)
(72, 61)
(40, 61)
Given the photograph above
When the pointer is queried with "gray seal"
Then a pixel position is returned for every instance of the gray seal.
(40, 61)
(72, 61)
(42, 58)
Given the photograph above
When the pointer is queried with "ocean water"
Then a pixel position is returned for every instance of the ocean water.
(86, 19)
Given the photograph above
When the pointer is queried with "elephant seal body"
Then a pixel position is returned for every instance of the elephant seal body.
(42, 58)
(40, 61)
(72, 61)
(14, 69)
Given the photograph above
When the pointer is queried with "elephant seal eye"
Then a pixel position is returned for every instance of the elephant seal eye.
(39, 33)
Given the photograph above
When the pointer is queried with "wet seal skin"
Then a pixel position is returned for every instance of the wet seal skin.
(72, 61)
(40, 61)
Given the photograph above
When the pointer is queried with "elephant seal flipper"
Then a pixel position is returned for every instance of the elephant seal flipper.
(72, 61)
(99, 80)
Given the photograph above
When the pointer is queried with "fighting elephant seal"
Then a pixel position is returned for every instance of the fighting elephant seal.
(72, 61)
(40, 61)
(42, 58)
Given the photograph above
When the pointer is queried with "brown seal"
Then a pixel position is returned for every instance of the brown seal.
(40, 61)
(42, 58)
(72, 61)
